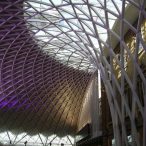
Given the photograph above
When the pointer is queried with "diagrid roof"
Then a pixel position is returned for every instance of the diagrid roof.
(48, 50)
(67, 29)
(37, 93)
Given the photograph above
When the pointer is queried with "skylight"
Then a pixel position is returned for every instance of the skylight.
(66, 28)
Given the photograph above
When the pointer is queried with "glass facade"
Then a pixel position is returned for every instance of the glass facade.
(9, 138)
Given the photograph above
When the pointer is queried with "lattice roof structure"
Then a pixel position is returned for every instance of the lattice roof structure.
(49, 50)
(38, 93)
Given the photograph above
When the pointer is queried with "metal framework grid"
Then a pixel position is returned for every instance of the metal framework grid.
(38, 94)
(47, 50)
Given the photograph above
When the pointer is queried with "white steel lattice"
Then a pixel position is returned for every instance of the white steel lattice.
(48, 50)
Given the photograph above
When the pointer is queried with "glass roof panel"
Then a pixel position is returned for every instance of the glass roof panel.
(59, 23)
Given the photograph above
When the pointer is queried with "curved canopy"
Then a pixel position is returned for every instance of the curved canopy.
(38, 93)
(48, 51)
(70, 30)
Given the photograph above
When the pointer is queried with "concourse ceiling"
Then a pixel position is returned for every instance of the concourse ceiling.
(38, 94)
(49, 49)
